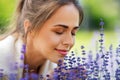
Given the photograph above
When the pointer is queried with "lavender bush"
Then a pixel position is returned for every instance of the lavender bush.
(104, 66)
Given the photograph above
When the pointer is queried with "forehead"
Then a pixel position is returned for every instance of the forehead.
(66, 14)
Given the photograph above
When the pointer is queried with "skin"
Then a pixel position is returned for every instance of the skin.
(55, 36)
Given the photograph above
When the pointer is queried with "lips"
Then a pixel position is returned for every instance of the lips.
(63, 52)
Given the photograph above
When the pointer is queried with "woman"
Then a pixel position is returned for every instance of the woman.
(45, 32)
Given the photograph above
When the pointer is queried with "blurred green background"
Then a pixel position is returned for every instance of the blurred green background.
(7, 8)
(108, 10)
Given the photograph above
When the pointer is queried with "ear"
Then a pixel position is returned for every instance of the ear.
(26, 25)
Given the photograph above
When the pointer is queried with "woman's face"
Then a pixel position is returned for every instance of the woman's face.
(57, 36)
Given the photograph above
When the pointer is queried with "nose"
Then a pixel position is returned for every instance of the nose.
(68, 40)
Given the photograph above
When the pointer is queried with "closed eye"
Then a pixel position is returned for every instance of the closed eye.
(59, 30)
(74, 31)
(59, 33)
(73, 34)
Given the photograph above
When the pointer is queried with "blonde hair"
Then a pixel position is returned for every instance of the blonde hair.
(39, 11)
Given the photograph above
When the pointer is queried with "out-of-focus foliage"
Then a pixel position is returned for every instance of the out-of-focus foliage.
(108, 10)
(7, 8)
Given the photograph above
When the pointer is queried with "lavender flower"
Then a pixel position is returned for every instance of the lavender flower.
(23, 50)
(101, 23)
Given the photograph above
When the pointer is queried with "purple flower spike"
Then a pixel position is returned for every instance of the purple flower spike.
(1, 75)
(101, 23)
(23, 50)
(22, 57)
(82, 47)
(26, 66)
(21, 65)
(35, 76)
(1, 70)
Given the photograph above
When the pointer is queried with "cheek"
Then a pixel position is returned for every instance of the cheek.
(52, 41)
(48, 41)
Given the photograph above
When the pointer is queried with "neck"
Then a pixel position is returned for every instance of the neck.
(34, 60)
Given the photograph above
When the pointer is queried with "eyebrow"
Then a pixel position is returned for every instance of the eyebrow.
(65, 26)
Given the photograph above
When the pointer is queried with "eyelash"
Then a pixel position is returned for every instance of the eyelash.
(73, 34)
(59, 33)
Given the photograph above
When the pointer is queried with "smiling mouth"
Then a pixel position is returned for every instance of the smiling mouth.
(62, 52)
